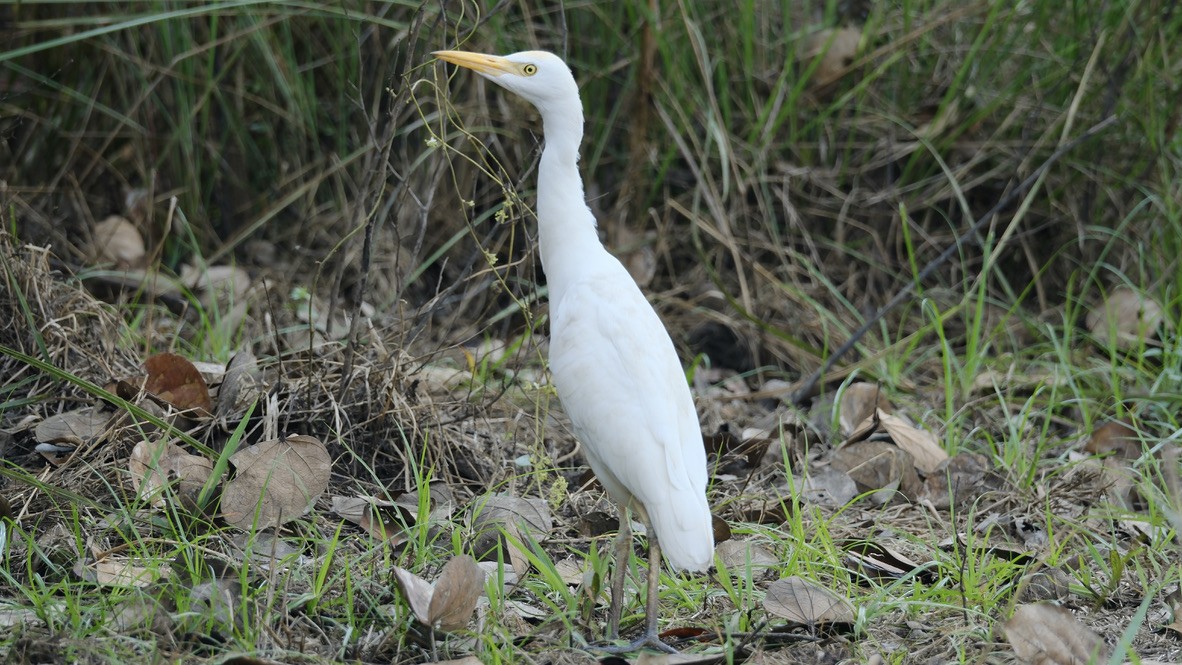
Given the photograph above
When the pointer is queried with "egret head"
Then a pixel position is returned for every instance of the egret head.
(540, 77)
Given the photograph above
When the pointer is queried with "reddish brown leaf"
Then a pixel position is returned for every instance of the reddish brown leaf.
(175, 380)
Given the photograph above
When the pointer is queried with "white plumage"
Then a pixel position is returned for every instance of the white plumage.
(614, 366)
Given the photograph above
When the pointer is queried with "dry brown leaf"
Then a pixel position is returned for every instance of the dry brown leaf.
(860, 401)
(275, 481)
(879, 467)
(828, 486)
(118, 241)
(449, 604)
(1115, 438)
(240, 387)
(876, 561)
(466, 660)
(1044, 634)
(175, 380)
(740, 556)
(140, 614)
(1127, 318)
(570, 570)
(459, 587)
(531, 513)
(73, 427)
(923, 446)
(837, 48)
(960, 477)
(417, 592)
(709, 657)
(217, 284)
(113, 571)
(155, 465)
(375, 516)
(805, 602)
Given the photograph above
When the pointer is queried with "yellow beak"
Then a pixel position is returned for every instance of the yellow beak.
(490, 65)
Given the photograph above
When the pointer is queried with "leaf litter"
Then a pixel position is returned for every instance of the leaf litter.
(907, 448)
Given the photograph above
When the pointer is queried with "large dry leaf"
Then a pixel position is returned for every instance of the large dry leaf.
(924, 446)
(417, 592)
(1115, 438)
(449, 604)
(860, 401)
(828, 486)
(113, 571)
(1126, 318)
(459, 587)
(879, 467)
(118, 241)
(740, 556)
(531, 513)
(177, 381)
(74, 427)
(217, 284)
(155, 465)
(275, 482)
(960, 478)
(1044, 634)
(836, 47)
(804, 602)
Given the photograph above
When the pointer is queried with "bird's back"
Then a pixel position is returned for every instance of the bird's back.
(623, 387)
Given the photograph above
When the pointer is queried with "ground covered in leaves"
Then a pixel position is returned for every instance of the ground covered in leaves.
(272, 334)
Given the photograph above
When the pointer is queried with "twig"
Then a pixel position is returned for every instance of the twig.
(810, 388)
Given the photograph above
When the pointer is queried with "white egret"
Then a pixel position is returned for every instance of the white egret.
(613, 364)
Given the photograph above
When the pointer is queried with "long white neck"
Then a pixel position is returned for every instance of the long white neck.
(566, 228)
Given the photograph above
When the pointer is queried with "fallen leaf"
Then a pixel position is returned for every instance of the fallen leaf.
(1044, 634)
(836, 49)
(75, 427)
(113, 571)
(417, 592)
(960, 477)
(118, 241)
(1117, 438)
(741, 556)
(879, 467)
(141, 614)
(156, 465)
(502, 509)
(459, 586)
(375, 516)
(175, 380)
(828, 486)
(216, 284)
(275, 481)
(860, 401)
(879, 562)
(804, 602)
(570, 570)
(1126, 318)
(923, 446)
(449, 604)
(241, 386)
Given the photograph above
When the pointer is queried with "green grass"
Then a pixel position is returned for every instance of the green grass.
(270, 134)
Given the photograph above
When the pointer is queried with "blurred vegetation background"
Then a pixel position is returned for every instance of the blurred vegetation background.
(773, 171)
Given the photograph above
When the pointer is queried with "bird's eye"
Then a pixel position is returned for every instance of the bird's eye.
(529, 70)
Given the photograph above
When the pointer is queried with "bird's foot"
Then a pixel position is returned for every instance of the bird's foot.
(650, 639)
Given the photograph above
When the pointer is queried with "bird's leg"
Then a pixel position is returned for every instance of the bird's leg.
(651, 602)
(650, 638)
(623, 547)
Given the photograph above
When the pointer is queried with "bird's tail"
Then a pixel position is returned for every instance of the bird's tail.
(685, 531)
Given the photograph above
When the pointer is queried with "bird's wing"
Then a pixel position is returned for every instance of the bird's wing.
(624, 389)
